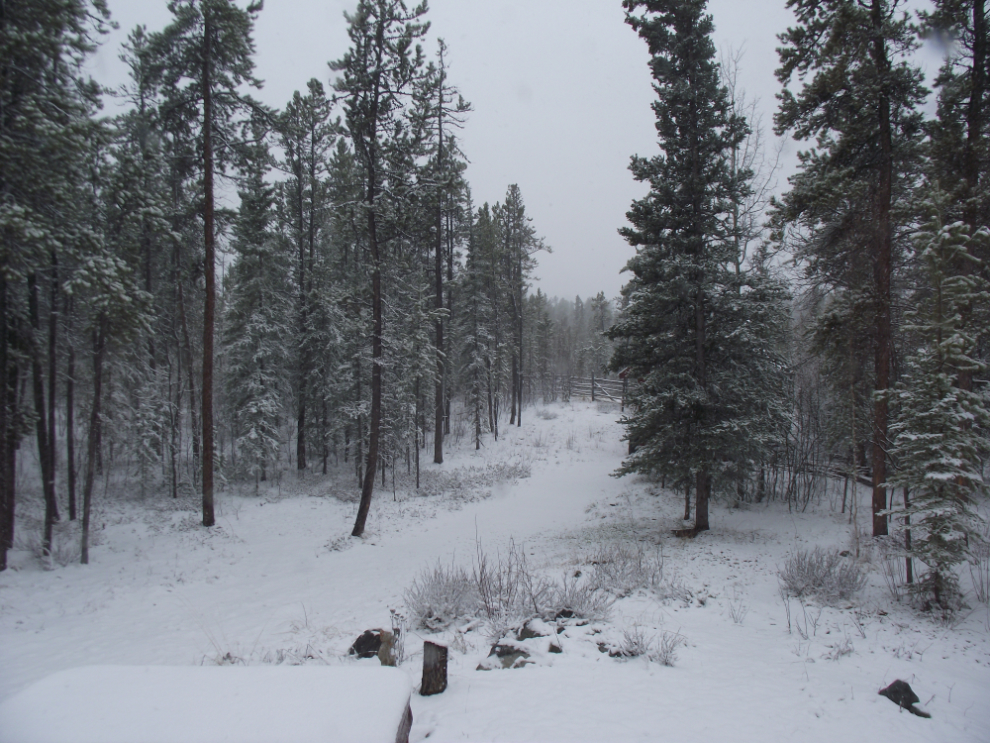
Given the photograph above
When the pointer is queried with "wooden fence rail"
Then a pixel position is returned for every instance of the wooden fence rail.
(599, 388)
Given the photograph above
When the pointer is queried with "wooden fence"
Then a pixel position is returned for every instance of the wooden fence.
(599, 388)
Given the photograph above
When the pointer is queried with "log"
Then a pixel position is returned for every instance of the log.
(434, 669)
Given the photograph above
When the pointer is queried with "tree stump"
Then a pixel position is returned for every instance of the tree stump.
(434, 669)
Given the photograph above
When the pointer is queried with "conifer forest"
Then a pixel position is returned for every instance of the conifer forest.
(353, 312)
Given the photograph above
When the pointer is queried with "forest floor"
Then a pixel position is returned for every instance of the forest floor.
(279, 580)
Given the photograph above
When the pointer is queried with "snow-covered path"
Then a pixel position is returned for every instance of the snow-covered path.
(279, 580)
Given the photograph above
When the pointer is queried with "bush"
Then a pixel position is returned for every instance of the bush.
(622, 570)
(440, 596)
(826, 575)
(503, 591)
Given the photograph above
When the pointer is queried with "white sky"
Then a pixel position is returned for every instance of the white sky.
(561, 96)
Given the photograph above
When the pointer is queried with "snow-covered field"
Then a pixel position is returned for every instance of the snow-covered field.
(278, 580)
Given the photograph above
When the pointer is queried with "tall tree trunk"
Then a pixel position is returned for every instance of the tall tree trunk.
(8, 435)
(438, 289)
(975, 124)
(303, 321)
(209, 273)
(882, 262)
(186, 351)
(53, 372)
(95, 431)
(702, 478)
(38, 388)
(70, 429)
(376, 369)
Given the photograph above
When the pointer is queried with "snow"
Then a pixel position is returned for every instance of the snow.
(278, 582)
(159, 704)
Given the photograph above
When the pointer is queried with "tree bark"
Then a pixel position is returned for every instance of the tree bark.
(438, 288)
(53, 373)
(702, 478)
(70, 431)
(41, 427)
(434, 669)
(209, 271)
(882, 262)
(8, 436)
(95, 431)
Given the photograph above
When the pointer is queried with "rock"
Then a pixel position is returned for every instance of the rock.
(555, 648)
(901, 694)
(564, 614)
(533, 628)
(503, 655)
(368, 644)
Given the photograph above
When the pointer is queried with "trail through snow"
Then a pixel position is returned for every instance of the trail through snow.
(279, 580)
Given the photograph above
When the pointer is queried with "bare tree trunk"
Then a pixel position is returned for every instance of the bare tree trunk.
(95, 431)
(38, 388)
(53, 373)
(376, 369)
(438, 289)
(909, 563)
(70, 429)
(882, 262)
(8, 428)
(209, 272)
(703, 480)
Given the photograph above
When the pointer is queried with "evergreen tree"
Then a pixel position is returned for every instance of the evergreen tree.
(306, 136)
(47, 135)
(257, 324)
(703, 338)
(378, 73)
(205, 56)
(939, 436)
(861, 105)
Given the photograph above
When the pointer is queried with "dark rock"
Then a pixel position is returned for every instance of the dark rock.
(509, 656)
(555, 648)
(367, 645)
(564, 614)
(529, 631)
(901, 694)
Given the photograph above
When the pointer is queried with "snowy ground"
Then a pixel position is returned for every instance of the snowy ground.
(279, 581)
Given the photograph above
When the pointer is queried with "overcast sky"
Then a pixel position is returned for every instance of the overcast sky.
(561, 95)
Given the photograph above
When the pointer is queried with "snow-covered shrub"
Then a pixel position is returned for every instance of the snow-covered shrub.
(580, 599)
(824, 574)
(635, 643)
(660, 649)
(892, 565)
(441, 595)
(511, 593)
(545, 414)
(666, 649)
(624, 569)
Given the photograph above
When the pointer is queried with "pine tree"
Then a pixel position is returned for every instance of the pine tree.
(377, 74)
(47, 135)
(938, 438)
(257, 321)
(306, 136)
(205, 56)
(861, 104)
(703, 338)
